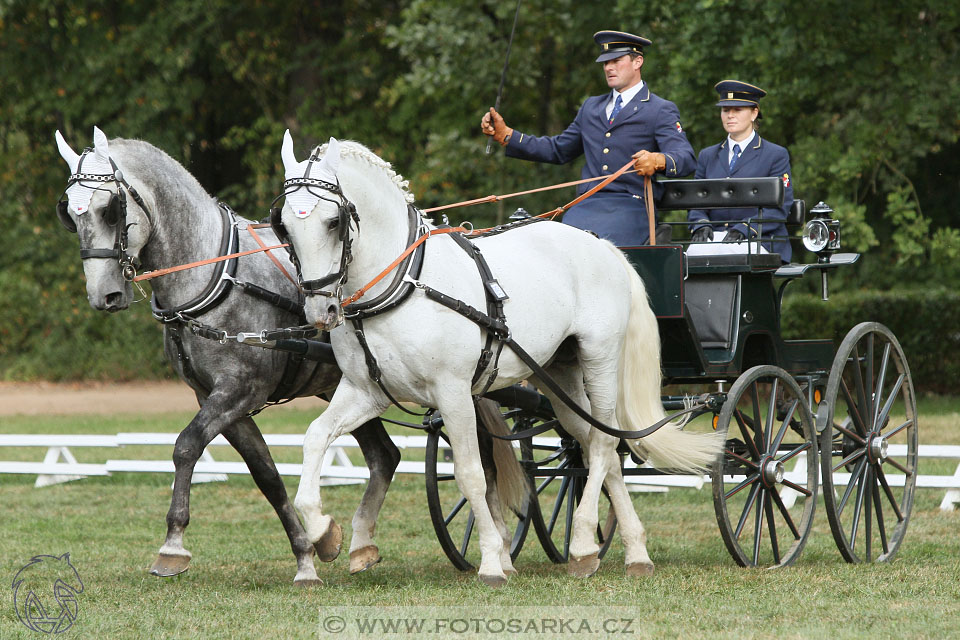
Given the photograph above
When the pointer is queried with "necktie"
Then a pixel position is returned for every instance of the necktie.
(616, 109)
(733, 158)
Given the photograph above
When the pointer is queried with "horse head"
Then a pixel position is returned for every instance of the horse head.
(315, 220)
(112, 228)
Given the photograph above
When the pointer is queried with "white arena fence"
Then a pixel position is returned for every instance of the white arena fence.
(60, 465)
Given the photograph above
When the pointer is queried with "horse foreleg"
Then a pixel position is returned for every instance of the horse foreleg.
(348, 409)
(382, 457)
(248, 441)
(461, 423)
(214, 416)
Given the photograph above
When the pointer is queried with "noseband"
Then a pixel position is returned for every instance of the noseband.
(116, 217)
(346, 213)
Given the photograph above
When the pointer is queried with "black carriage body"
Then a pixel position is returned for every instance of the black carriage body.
(720, 315)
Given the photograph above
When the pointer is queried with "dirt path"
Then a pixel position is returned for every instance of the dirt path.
(45, 398)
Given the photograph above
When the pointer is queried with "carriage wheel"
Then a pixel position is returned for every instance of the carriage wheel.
(869, 443)
(452, 517)
(559, 495)
(765, 484)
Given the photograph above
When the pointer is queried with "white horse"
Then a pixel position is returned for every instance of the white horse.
(575, 305)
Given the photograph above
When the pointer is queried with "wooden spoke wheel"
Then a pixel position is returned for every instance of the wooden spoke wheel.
(452, 517)
(765, 484)
(559, 476)
(869, 445)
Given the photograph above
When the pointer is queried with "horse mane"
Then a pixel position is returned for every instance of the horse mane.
(144, 159)
(353, 149)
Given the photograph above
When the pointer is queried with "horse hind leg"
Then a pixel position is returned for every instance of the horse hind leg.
(599, 454)
(485, 414)
(381, 457)
(248, 441)
(636, 559)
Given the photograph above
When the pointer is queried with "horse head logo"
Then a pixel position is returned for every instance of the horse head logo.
(31, 594)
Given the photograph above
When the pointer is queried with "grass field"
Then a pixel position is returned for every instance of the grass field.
(240, 581)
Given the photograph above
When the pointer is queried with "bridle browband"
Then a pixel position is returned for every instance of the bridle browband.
(116, 216)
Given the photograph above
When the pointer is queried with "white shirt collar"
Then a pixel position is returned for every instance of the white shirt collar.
(626, 96)
(743, 144)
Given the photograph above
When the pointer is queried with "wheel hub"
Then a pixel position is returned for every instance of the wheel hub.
(772, 472)
(878, 448)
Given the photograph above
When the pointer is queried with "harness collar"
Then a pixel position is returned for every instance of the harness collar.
(219, 284)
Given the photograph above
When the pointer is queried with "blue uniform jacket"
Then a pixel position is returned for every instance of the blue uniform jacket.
(646, 122)
(760, 159)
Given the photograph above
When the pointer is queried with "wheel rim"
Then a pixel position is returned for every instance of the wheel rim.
(451, 515)
(869, 442)
(765, 484)
(558, 497)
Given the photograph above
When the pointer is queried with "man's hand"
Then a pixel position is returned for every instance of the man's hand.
(492, 124)
(733, 236)
(647, 163)
(703, 234)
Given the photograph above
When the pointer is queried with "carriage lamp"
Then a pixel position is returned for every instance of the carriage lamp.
(821, 234)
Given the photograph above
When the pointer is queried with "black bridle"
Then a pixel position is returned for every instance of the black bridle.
(346, 213)
(116, 216)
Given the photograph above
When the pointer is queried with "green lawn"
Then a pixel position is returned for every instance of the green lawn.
(240, 581)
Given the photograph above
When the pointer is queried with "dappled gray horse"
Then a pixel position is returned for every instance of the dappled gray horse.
(134, 208)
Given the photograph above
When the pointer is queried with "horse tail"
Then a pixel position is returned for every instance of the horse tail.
(638, 394)
(511, 479)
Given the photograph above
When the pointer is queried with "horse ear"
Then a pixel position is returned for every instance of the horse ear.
(331, 160)
(286, 151)
(68, 154)
(100, 144)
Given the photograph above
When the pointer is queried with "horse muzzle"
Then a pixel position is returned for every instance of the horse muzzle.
(324, 313)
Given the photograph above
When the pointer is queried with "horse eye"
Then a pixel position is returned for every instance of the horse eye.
(333, 224)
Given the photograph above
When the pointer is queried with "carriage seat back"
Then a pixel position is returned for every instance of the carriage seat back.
(721, 193)
(798, 214)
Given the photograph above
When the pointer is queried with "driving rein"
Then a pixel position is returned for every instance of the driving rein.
(492, 321)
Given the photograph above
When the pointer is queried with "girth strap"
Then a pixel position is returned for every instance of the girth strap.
(495, 296)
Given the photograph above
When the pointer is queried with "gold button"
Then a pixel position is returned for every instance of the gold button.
(604, 167)
(608, 134)
(606, 150)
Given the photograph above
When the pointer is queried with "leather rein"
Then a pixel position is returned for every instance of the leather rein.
(492, 321)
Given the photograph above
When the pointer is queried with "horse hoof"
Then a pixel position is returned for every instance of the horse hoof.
(328, 546)
(583, 567)
(167, 566)
(494, 581)
(307, 583)
(638, 569)
(364, 558)
(510, 572)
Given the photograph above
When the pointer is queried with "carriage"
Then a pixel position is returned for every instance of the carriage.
(789, 412)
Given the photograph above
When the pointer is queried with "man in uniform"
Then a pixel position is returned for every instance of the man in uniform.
(628, 122)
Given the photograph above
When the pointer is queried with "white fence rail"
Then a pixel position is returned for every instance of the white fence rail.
(60, 465)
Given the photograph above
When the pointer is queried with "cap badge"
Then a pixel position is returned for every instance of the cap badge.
(729, 96)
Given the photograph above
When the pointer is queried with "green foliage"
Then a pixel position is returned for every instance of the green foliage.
(924, 321)
(863, 95)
